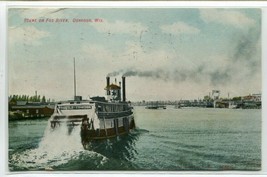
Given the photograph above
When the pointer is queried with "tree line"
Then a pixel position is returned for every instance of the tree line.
(28, 98)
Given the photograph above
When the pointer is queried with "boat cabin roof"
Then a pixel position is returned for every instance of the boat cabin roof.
(113, 87)
(73, 103)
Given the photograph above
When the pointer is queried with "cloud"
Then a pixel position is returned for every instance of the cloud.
(247, 49)
(132, 56)
(28, 35)
(179, 28)
(119, 27)
(97, 54)
(226, 17)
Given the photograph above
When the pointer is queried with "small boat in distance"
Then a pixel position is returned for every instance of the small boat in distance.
(155, 106)
(177, 106)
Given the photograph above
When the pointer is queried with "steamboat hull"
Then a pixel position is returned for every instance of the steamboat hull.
(97, 120)
(115, 119)
(88, 135)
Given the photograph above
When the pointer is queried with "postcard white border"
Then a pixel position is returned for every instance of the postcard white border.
(124, 4)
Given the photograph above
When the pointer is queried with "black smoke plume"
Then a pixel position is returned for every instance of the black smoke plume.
(245, 54)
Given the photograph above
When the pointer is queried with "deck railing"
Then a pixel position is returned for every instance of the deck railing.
(110, 115)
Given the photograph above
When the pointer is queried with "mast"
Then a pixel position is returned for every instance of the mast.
(74, 79)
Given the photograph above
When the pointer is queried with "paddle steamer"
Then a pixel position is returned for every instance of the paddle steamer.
(99, 117)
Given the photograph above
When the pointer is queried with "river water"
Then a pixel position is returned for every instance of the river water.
(186, 139)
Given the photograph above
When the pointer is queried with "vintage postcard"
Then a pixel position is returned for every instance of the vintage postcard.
(134, 89)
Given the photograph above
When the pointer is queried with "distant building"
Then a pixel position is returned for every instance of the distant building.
(31, 109)
(21, 103)
(216, 94)
(253, 97)
(257, 96)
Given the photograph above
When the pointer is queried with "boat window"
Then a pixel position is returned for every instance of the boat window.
(111, 107)
(120, 122)
(63, 108)
(84, 107)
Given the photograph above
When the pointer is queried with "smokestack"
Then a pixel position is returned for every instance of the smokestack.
(120, 91)
(108, 82)
(123, 89)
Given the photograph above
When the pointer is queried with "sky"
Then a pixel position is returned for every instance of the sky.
(165, 53)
